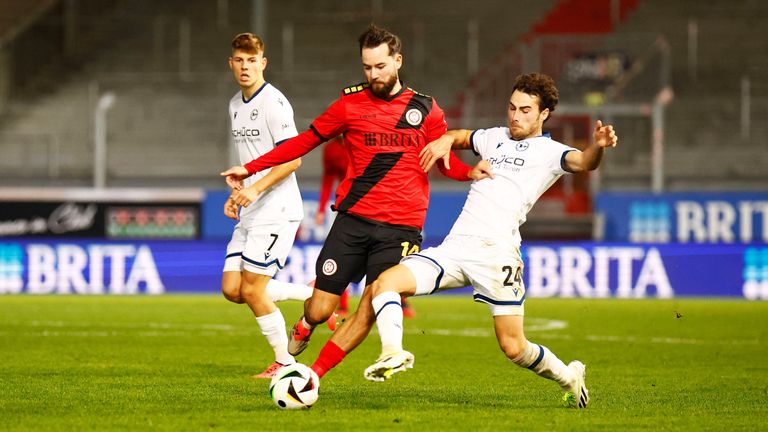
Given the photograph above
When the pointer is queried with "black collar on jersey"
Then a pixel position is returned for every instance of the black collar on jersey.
(394, 96)
(254, 94)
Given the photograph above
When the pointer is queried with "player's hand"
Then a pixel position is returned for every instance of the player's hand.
(605, 136)
(235, 176)
(434, 151)
(246, 196)
(481, 171)
(319, 218)
(230, 208)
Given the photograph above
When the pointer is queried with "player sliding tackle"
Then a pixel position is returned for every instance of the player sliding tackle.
(483, 247)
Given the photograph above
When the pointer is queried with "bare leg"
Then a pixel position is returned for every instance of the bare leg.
(540, 360)
(230, 286)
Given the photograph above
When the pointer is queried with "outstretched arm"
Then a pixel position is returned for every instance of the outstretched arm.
(287, 151)
(250, 194)
(589, 159)
(455, 168)
(441, 148)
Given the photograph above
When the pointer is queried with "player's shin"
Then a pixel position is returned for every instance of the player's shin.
(544, 363)
(389, 320)
(329, 357)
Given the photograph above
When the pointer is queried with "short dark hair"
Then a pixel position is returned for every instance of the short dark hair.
(540, 85)
(374, 36)
(248, 42)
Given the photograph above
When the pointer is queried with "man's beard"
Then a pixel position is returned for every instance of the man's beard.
(521, 133)
(518, 134)
(382, 90)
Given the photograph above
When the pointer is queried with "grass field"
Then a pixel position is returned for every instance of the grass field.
(184, 362)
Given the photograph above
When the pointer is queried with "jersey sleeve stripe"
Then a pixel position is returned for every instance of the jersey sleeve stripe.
(472, 143)
(562, 161)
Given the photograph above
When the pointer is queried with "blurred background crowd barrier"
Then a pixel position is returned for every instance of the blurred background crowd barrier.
(113, 130)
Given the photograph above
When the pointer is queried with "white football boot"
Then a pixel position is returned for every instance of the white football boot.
(576, 395)
(387, 365)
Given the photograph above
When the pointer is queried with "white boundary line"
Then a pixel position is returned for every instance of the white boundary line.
(545, 329)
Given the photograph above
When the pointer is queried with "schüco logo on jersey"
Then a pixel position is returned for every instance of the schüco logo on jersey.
(243, 132)
(506, 162)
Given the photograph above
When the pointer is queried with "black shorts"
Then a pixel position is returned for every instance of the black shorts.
(356, 247)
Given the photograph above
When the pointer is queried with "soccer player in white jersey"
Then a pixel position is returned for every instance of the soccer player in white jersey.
(483, 247)
(261, 117)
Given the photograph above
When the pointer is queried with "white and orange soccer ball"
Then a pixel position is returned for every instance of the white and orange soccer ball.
(294, 387)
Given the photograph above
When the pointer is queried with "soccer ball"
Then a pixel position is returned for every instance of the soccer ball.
(294, 387)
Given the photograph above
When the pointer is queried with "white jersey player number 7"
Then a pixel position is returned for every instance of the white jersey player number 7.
(259, 124)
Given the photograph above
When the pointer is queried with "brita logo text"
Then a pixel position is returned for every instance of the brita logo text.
(74, 269)
(722, 221)
(622, 272)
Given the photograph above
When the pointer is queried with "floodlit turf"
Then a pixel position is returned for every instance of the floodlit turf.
(184, 363)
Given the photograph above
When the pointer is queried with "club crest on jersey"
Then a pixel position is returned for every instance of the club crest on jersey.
(414, 117)
(522, 146)
(254, 114)
(329, 267)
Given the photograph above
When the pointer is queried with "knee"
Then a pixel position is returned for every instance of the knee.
(232, 293)
(253, 292)
(382, 284)
(316, 313)
(513, 347)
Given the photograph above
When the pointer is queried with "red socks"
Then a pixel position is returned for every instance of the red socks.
(329, 357)
(344, 300)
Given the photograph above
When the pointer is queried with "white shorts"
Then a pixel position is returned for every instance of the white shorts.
(494, 270)
(261, 247)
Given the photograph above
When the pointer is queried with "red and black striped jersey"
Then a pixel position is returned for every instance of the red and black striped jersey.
(335, 164)
(383, 138)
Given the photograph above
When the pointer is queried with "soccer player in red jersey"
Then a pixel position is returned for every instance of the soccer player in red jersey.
(382, 202)
(335, 165)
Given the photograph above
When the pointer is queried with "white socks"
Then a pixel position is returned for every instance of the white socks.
(543, 362)
(273, 328)
(389, 320)
(280, 291)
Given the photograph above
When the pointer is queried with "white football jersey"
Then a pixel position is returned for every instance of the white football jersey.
(258, 126)
(523, 170)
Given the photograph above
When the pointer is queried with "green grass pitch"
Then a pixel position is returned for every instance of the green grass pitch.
(184, 363)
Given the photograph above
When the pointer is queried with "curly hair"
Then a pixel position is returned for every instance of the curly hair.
(540, 85)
